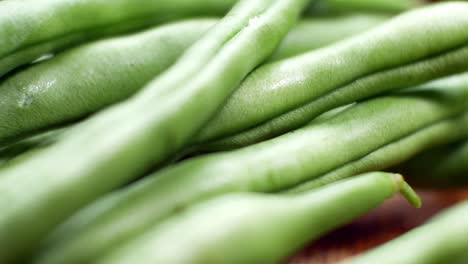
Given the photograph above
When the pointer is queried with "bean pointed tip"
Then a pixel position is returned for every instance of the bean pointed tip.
(410, 194)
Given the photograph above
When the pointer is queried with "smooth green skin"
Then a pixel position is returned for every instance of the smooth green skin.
(291, 84)
(121, 143)
(286, 161)
(398, 151)
(413, 74)
(317, 32)
(31, 28)
(284, 121)
(394, 153)
(442, 167)
(34, 99)
(442, 240)
(35, 142)
(255, 228)
(79, 82)
(389, 6)
(24, 149)
(276, 118)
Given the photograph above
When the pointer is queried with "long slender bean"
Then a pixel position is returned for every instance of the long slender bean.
(286, 161)
(402, 77)
(395, 152)
(316, 32)
(292, 84)
(34, 99)
(444, 239)
(442, 167)
(121, 143)
(401, 150)
(250, 117)
(256, 228)
(88, 78)
(390, 6)
(31, 28)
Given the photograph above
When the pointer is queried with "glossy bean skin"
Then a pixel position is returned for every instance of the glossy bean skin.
(258, 112)
(34, 99)
(29, 29)
(312, 33)
(121, 143)
(399, 151)
(255, 228)
(406, 76)
(90, 77)
(442, 167)
(394, 153)
(306, 78)
(387, 6)
(286, 161)
(444, 239)
(22, 150)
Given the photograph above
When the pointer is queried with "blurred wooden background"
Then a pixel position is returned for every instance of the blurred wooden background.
(392, 219)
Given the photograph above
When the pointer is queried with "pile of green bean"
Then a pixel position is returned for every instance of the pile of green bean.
(224, 131)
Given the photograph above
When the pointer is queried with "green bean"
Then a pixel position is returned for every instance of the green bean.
(31, 28)
(298, 83)
(363, 5)
(444, 239)
(90, 77)
(23, 149)
(286, 161)
(34, 99)
(313, 33)
(395, 152)
(402, 150)
(250, 117)
(442, 167)
(412, 74)
(121, 143)
(257, 228)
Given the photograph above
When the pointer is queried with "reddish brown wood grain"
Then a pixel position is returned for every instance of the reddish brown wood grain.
(385, 223)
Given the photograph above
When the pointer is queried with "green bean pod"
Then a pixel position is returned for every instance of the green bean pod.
(34, 99)
(312, 33)
(407, 50)
(428, 115)
(30, 29)
(444, 239)
(257, 228)
(258, 111)
(372, 85)
(395, 152)
(121, 143)
(442, 167)
(387, 6)
(399, 151)
(83, 80)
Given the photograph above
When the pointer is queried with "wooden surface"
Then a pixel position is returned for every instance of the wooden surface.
(385, 223)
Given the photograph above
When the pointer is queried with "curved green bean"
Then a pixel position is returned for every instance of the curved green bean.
(34, 99)
(444, 239)
(286, 161)
(121, 143)
(252, 117)
(293, 84)
(79, 82)
(316, 32)
(29, 29)
(390, 6)
(257, 228)
(402, 77)
(442, 167)
(395, 152)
